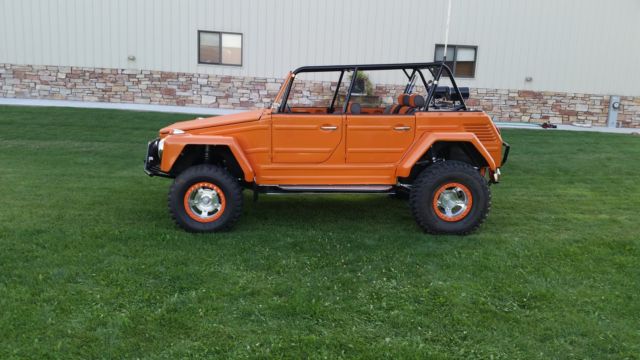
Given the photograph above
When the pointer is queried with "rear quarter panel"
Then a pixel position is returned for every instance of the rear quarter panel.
(476, 122)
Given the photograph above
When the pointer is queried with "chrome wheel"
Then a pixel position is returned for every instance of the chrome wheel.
(204, 201)
(452, 202)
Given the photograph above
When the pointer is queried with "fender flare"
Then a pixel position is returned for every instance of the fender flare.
(174, 144)
(420, 147)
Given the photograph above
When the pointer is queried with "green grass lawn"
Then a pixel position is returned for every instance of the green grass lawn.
(91, 265)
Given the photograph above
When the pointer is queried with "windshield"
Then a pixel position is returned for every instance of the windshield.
(278, 99)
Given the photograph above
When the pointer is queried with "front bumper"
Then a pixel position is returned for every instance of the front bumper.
(505, 154)
(495, 175)
(152, 160)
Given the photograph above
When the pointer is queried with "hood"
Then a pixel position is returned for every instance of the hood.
(202, 123)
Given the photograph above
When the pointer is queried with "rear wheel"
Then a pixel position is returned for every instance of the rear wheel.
(450, 197)
(205, 198)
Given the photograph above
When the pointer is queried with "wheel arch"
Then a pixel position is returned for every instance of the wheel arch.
(182, 151)
(449, 146)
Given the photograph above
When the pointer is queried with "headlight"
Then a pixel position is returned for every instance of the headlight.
(160, 148)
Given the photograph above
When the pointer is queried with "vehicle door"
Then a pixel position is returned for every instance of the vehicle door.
(304, 131)
(378, 138)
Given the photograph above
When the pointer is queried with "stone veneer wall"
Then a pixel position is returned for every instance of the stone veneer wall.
(554, 107)
(233, 92)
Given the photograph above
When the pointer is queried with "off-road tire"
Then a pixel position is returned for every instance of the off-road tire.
(437, 176)
(209, 174)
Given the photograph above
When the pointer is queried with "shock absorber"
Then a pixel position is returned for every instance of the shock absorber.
(206, 154)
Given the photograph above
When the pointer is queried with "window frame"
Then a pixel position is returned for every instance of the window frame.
(221, 34)
(455, 58)
(353, 70)
(436, 68)
(286, 96)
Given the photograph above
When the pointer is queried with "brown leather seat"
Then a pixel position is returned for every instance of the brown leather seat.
(406, 104)
(415, 102)
(412, 103)
(393, 109)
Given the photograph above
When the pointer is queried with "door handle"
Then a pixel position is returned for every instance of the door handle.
(402, 128)
(328, 127)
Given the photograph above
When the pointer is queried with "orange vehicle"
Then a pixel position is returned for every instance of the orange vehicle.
(333, 135)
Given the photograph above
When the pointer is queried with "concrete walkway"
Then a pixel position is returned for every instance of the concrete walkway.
(508, 125)
(118, 106)
(214, 111)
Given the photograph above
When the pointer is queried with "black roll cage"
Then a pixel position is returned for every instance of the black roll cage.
(435, 68)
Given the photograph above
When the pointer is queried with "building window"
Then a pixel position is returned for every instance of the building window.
(219, 48)
(460, 58)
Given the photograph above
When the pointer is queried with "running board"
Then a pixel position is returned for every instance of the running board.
(330, 189)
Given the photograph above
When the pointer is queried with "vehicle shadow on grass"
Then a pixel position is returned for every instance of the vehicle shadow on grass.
(364, 224)
(328, 212)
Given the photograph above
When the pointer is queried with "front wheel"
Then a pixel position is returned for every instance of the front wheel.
(205, 198)
(450, 197)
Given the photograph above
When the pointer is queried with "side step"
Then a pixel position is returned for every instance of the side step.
(327, 189)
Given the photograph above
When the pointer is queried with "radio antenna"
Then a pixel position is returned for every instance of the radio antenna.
(446, 32)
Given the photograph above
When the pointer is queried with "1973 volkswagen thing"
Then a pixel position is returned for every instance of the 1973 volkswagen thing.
(428, 145)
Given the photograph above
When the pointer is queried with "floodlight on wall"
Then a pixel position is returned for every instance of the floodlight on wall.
(528, 79)
(131, 57)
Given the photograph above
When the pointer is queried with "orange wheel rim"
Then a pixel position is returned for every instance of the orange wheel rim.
(452, 201)
(204, 202)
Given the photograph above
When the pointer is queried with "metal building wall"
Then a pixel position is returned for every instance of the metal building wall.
(585, 46)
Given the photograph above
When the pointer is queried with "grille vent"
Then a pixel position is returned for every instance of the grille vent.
(484, 132)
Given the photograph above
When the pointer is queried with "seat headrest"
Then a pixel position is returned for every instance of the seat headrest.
(353, 108)
(406, 100)
(416, 100)
(401, 99)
